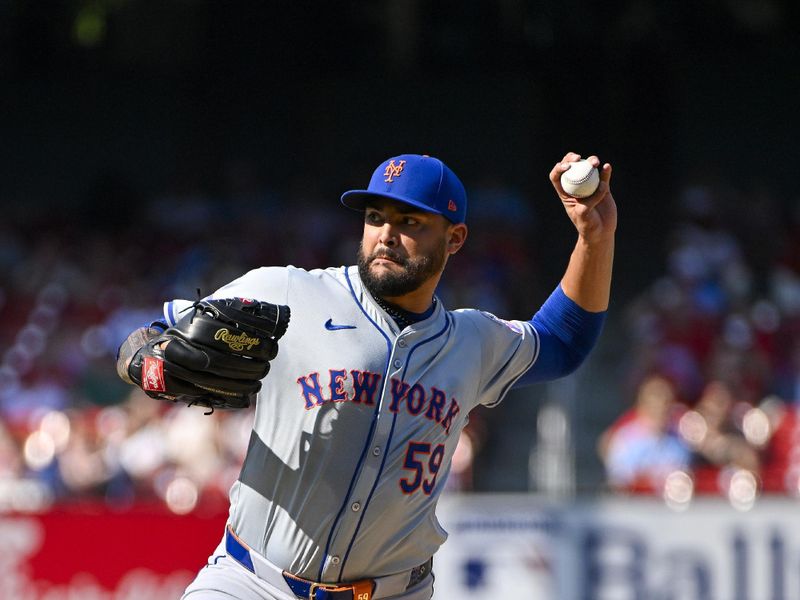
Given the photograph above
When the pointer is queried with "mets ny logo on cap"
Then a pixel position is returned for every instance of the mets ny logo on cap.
(393, 170)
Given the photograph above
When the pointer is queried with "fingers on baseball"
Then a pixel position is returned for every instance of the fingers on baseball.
(566, 163)
(594, 161)
(555, 177)
(605, 173)
(602, 188)
(600, 193)
(555, 173)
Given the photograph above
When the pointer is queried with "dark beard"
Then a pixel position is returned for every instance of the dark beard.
(391, 285)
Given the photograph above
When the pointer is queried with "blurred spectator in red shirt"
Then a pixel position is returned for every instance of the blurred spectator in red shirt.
(719, 447)
(643, 447)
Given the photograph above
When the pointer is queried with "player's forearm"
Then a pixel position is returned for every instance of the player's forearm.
(587, 280)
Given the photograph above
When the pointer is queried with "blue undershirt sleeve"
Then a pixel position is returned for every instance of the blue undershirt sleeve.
(567, 333)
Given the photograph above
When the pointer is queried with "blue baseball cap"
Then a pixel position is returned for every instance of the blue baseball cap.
(418, 180)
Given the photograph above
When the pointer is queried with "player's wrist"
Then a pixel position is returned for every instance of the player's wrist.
(596, 239)
(137, 340)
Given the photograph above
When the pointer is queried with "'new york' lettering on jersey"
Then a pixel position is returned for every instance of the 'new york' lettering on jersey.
(354, 435)
(414, 398)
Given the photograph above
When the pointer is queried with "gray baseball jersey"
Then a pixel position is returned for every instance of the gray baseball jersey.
(357, 422)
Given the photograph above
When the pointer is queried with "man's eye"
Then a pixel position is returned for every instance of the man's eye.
(373, 218)
(410, 221)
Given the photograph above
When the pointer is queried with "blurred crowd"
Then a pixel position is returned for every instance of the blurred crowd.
(71, 291)
(712, 357)
(715, 349)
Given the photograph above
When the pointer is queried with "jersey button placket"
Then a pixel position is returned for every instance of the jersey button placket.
(364, 484)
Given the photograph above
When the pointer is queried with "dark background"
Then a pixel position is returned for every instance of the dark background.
(108, 104)
(137, 96)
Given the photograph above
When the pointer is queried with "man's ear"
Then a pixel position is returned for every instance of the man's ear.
(457, 235)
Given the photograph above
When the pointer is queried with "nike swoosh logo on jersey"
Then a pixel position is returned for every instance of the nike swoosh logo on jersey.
(331, 327)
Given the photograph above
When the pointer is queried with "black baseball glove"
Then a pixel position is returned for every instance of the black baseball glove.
(215, 356)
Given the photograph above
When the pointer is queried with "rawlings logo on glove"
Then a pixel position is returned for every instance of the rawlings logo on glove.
(214, 356)
(236, 342)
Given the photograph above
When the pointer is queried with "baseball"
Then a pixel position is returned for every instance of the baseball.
(580, 180)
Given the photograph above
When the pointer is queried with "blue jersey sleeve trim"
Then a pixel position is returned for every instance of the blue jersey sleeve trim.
(567, 334)
(169, 308)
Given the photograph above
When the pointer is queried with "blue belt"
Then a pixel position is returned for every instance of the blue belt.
(312, 590)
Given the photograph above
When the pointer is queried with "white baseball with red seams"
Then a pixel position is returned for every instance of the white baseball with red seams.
(581, 179)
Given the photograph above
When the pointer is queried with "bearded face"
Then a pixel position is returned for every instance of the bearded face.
(404, 250)
(387, 273)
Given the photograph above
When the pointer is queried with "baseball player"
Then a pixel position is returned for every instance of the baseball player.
(357, 421)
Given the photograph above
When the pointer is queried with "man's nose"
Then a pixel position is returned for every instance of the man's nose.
(388, 235)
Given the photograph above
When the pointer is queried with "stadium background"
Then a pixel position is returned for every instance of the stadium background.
(151, 148)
